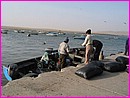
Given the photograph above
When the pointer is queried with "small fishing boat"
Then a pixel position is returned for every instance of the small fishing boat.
(33, 67)
(82, 37)
(52, 34)
(4, 31)
(34, 33)
(21, 31)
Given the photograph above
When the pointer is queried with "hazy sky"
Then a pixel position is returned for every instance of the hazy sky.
(77, 16)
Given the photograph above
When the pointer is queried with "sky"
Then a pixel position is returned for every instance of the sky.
(75, 16)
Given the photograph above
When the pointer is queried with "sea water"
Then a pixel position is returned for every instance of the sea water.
(17, 46)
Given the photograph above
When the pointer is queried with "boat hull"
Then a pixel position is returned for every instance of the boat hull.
(5, 72)
(33, 67)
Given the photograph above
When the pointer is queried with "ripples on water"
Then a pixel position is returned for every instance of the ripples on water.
(17, 46)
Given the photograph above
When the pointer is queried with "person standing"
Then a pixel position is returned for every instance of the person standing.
(127, 47)
(64, 53)
(98, 47)
(88, 43)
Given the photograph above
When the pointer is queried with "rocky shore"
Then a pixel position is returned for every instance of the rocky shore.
(67, 83)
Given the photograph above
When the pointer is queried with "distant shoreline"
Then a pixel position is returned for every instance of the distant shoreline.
(111, 34)
(125, 33)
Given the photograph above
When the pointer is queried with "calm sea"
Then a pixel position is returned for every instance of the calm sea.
(17, 46)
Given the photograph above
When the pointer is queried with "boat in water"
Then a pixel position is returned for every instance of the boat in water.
(4, 31)
(33, 67)
(82, 37)
(52, 34)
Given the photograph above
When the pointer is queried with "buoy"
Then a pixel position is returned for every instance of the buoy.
(29, 35)
(101, 56)
(44, 43)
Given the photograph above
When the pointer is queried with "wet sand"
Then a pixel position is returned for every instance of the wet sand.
(67, 83)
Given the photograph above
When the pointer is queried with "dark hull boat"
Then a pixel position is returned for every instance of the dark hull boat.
(4, 31)
(33, 67)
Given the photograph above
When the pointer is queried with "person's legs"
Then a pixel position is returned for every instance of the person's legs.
(97, 53)
(127, 47)
(62, 62)
(89, 50)
(126, 50)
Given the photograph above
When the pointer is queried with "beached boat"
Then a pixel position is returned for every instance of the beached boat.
(33, 67)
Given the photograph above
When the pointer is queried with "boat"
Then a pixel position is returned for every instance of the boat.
(82, 37)
(52, 34)
(21, 31)
(4, 31)
(33, 67)
(5, 71)
(34, 33)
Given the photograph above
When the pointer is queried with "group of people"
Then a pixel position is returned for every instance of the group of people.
(89, 43)
(92, 47)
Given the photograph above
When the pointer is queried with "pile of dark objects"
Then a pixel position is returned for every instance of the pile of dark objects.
(96, 68)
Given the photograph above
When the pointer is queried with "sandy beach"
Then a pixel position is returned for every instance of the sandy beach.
(67, 83)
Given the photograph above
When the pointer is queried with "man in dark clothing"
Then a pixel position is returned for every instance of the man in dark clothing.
(127, 47)
(98, 45)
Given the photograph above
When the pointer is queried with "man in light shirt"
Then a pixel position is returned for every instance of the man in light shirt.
(64, 53)
(88, 43)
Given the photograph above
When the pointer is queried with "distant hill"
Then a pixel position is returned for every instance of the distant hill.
(113, 32)
(66, 31)
(38, 29)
